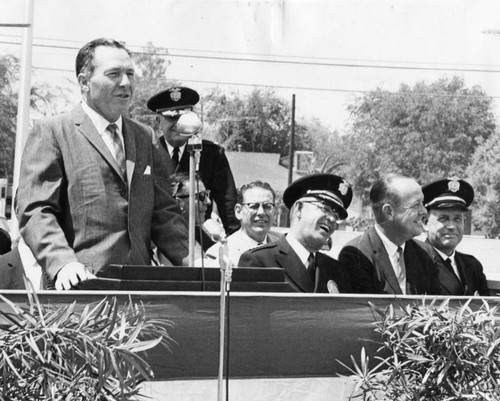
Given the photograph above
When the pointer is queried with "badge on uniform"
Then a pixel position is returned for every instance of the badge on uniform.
(332, 287)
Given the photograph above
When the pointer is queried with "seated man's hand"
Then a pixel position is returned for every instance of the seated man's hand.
(214, 229)
(71, 274)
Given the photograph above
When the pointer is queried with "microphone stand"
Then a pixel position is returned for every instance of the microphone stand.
(194, 148)
(226, 272)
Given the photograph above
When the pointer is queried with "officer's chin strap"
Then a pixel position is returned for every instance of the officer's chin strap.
(226, 270)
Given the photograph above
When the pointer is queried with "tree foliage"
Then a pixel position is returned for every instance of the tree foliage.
(256, 122)
(151, 67)
(427, 131)
(484, 175)
(45, 99)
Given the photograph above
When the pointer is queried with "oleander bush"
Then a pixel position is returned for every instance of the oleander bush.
(433, 352)
(56, 353)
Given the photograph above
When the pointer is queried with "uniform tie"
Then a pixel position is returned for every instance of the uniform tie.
(401, 274)
(311, 265)
(175, 156)
(118, 148)
(448, 264)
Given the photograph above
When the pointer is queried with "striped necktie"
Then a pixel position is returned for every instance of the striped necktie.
(118, 148)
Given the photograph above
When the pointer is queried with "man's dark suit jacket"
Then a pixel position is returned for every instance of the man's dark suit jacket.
(215, 172)
(74, 204)
(368, 264)
(280, 254)
(11, 271)
(470, 270)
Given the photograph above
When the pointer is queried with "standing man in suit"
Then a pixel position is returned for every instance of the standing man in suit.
(89, 195)
(385, 259)
(316, 203)
(255, 211)
(446, 202)
(214, 169)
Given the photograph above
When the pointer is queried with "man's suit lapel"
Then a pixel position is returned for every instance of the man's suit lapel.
(296, 271)
(86, 128)
(382, 262)
(130, 149)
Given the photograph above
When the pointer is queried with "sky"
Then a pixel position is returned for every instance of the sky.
(325, 52)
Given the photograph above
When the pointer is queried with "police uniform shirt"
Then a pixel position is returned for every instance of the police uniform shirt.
(170, 149)
(452, 259)
(299, 249)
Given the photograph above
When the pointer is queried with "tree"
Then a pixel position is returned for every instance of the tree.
(151, 78)
(257, 122)
(427, 131)
(45, 99)
(484, 175)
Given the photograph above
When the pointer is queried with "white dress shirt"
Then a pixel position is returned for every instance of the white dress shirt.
(392, 251)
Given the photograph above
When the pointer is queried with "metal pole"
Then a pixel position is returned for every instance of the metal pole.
(292, 138)
(192, 212)
(24, 92)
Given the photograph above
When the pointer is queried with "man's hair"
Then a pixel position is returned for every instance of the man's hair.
(383, 191)
(85, 57)
(254, 184)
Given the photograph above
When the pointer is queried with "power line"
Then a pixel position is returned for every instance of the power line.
(306, 88)
(289, 62)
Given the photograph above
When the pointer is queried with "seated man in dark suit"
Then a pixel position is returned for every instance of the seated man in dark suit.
(316, 203)
(446, 201)
(385, 259)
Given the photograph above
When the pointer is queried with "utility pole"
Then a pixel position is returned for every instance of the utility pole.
(292, 139)
(24, 91)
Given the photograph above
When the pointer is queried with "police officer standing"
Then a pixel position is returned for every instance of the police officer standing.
(446, 202)
(214, 169)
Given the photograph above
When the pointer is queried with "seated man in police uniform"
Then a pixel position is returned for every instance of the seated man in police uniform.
(446, 202)
(316, 203)
(214, 169)
(255, 211)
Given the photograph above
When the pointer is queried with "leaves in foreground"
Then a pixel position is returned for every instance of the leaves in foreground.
(66, 353)
(433, 352)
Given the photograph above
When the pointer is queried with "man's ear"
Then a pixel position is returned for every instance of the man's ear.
(388, 211)
(237, 211)
(83, 82)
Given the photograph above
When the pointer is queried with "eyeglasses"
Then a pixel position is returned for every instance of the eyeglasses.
(327, 209)
(201, 196)
(268, 207)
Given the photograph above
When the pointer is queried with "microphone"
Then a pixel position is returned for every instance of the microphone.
(188, 124)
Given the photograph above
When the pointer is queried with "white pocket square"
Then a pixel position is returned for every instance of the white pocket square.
(147, 170)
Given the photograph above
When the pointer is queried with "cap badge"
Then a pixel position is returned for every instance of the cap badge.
(453, 184)
(343, 187)
(175, 94)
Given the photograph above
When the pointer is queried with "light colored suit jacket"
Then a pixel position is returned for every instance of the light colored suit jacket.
(74, 204)
(237, 243)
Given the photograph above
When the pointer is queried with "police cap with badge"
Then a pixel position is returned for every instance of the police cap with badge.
(448, 193)
(329, 188)
(174, 102)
